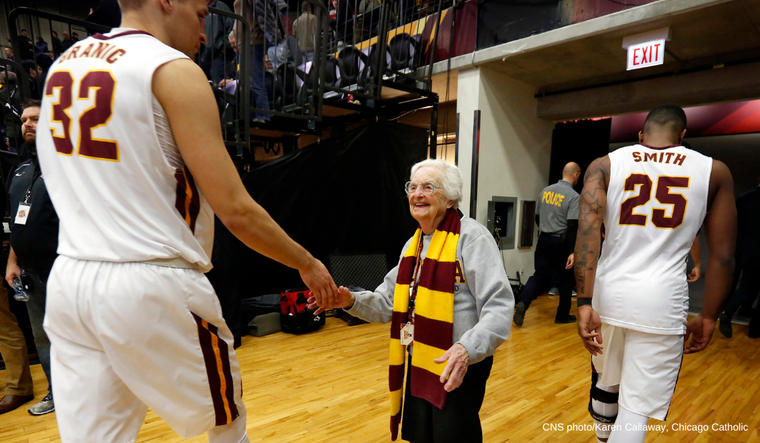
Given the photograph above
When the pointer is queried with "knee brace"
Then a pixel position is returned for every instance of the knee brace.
(602, 396)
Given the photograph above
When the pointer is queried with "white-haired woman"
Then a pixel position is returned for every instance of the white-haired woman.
(450, 305)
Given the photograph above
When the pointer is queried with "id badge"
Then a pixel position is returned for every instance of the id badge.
(407, 334)
(22, 214)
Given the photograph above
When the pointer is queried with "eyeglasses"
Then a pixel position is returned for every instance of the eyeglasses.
(427, 188)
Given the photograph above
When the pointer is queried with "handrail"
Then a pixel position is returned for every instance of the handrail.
(244, 99)
(22, 78)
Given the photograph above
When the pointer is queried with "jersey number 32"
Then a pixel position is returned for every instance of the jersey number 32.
(94, 117)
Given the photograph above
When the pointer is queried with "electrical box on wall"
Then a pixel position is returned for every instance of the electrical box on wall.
(501, 220)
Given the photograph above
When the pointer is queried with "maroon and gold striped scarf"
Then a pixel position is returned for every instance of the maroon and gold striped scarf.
(433, 319)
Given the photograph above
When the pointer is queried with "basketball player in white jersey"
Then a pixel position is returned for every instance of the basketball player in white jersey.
(652, 197)
(131, 148)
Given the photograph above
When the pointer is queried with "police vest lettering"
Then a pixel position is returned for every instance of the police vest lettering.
(552, 198)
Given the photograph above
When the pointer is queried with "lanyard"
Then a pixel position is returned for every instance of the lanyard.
(413, 289)
(28, 193)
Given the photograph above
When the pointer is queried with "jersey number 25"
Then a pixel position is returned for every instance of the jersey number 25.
(96, 116)
(662, 194)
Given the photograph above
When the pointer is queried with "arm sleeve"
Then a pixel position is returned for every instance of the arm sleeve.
(493, 298)
(376, 306)
(571, 234)
(572, 207)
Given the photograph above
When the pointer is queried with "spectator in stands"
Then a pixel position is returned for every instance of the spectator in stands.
(10, 103)
(34, 71)
(25, 46)
(18, 379)
(344, 24)
(57, 45)
(366, 6)
(262, 17)
(34, 240)
(41, 47)
(67, 42)
(216, 54)
(74, 37)
(8, 51)
(305, 30)
(450, 305)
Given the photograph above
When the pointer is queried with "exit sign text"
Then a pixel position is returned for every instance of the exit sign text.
(644, 55)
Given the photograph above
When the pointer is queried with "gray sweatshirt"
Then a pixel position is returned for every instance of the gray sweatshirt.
(483, 299)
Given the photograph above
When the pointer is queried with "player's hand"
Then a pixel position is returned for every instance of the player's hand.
(694, 275)
(570, 261)
(590, 329)
(321, 284)
(345, 299)
(700, 330)
(456, 368)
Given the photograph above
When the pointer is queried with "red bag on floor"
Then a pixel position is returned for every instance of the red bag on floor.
(295, 317)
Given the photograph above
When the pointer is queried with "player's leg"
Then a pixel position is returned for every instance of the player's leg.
(179, 356)
(603, 404)
(651, 364)
(630, 427)
(92, 403)
(603, 407)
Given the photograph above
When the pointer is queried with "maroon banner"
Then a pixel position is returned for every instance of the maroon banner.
(721, 119)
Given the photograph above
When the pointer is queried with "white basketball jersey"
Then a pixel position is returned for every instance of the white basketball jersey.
(656, 202)
(110, 161)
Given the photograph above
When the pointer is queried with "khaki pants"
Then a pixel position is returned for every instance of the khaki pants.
(18, 379)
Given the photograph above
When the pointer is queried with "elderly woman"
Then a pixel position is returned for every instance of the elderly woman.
(450, 305)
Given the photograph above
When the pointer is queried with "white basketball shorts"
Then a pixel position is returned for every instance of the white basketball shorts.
(128, 336)
(645, 365)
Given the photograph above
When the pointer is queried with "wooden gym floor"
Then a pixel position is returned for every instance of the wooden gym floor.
(331, 386)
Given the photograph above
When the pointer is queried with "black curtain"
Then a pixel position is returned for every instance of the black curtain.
(344, 195)
(580, 141)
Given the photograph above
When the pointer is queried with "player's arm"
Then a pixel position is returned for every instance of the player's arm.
(181, 88)
(720, 233)
(695, 252)
(593, 202)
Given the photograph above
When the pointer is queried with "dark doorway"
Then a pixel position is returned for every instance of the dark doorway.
(580, 141)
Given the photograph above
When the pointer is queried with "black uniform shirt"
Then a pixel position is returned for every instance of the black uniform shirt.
(34, 243)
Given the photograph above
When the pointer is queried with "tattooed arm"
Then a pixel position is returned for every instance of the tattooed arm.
(587, 247)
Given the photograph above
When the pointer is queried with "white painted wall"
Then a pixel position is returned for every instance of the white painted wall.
(515, 148)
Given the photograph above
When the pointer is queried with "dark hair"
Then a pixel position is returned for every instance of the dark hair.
(28, 64)
(305, 7)
(30, 103)
(666, 115)
(23, 30)
(54, 34)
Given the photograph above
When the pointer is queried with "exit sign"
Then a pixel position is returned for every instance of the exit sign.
(646, 49)
(646, 54)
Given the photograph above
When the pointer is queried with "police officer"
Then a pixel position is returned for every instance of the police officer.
(34, 240)
(557, 220)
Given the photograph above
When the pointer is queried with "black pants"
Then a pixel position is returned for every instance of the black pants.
(749, 287)
(550, 258)
(458, 421)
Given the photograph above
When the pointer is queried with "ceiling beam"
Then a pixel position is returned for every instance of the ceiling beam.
(738, 82)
